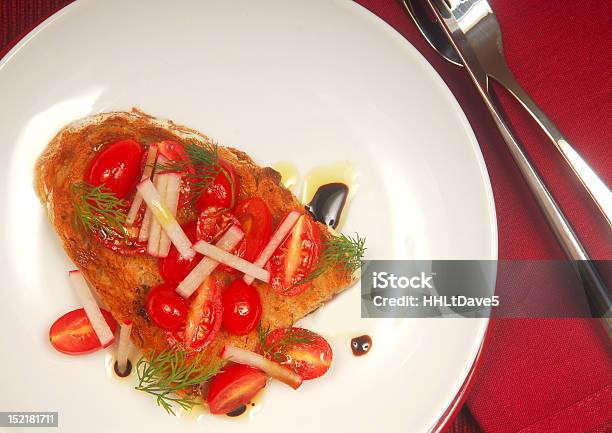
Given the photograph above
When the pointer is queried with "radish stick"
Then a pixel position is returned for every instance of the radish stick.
(173, 190)
(92, 310)
(277, 238)
(271, 368)
(145, 226)
(146, 174)
(229, 259)
(123, 347)
(161, 182)
(163, 215)
(205, 267)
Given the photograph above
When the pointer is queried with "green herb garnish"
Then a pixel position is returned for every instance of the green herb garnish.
(201, 167)
(98, 208)
(343, 252)
(291, 337)
(168, 372)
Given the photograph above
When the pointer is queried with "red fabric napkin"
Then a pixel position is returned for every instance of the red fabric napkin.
(536, 376)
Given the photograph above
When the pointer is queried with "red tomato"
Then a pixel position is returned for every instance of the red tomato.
(241, 308)
(175, 268)
(256, 222)
(220, 193)
(204, 318)
(310, 360)
(166, 308)
(73, 334)
(213, 222)
(127, 246)
(172, 150)
(295, 258)
(118, 166)
(234, 386)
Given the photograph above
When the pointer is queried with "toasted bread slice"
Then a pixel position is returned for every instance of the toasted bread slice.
(122, 282)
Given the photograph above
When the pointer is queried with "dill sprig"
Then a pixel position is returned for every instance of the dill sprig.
(201, 167)
(170, 371)
(342, 252)
(291, 337)
(98, 208)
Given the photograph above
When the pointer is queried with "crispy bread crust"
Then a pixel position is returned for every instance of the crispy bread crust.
(122, 282)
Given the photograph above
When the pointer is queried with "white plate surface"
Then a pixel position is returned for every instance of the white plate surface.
(311, 81)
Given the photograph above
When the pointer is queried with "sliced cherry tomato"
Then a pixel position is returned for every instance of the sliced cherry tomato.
(172, 150)
(241, 308)
(175, 268)
(234, 386)
(213, 222)
(73, 334)
(127, 246)
(205, 315)
(256, 222)
(309, 359)
(118, 166)
(222, 192)
(295, 258)
(166, 308)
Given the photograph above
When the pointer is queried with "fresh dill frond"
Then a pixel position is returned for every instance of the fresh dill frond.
(291, 337)
(98, 208)
(169, 372)
(201, 167)
(341, 252)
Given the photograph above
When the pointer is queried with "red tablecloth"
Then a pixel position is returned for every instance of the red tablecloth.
(536, 375)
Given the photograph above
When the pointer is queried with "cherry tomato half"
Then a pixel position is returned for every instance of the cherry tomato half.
(295, 258)
(213, 222)
(73, 334)
(175, 268)
(234, 386)
(166, 308)
(241, 308)
(172, 150)
(256, 222)
(204, 318)
(310, 359)
(222, 192)
(118, 166)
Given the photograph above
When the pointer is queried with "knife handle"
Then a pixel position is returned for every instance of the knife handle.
(593, 184)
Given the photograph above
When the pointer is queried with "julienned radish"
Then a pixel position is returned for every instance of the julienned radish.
(173, 190)
(164, 215)
(271, 368)
(98, 322)
(123, 347)
(155, 229)
(207, 265)
(147, 173)
(277, 238)
(231, 260)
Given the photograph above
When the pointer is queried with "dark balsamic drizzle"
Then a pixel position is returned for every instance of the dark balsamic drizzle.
(327, 204)
(126, 373)
(361, 345)
(238, 411)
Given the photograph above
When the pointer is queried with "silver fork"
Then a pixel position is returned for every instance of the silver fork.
(478, 23)
(474, 17)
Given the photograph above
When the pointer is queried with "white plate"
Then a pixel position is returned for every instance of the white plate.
(312, 81)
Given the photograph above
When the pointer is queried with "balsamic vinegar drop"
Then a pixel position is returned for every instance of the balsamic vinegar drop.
(328, 202)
